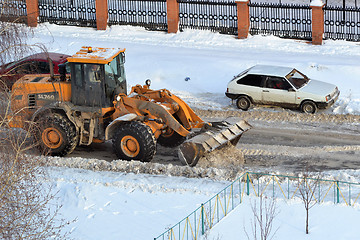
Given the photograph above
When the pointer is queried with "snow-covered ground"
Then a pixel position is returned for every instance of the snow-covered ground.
(136, 206)
(108, 205)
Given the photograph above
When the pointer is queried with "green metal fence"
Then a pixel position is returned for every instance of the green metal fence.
(193, 226)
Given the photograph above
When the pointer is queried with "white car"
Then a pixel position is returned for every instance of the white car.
(281, 86)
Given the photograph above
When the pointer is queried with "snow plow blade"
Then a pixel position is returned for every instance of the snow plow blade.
(219, 134)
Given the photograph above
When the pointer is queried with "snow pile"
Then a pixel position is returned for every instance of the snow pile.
(138, 167)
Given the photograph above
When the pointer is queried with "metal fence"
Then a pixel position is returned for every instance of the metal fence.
(193, 226)
(13, 10)
(68, 12)
(215, 15)
(342, 23)
(282, 20)
(151, 14)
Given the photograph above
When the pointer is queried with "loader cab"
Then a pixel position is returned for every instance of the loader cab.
(97, 76)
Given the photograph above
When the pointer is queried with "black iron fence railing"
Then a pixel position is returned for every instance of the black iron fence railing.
(13, 10)
(282, 20)
(68, 12)
(216, 15)
(342, 23)
(151, 14)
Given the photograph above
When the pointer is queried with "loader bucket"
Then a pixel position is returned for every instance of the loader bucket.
(221, 134)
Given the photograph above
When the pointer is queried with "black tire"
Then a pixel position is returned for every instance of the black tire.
(56, 135)
(134, 141)
(243, 103)
(308, 107)
(170, 139)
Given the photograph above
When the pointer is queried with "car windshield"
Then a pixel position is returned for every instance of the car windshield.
(297, 79)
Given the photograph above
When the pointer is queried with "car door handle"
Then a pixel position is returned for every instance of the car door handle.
(265, 90)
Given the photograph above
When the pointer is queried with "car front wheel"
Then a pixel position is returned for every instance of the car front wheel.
(243, 103)
(308, 107)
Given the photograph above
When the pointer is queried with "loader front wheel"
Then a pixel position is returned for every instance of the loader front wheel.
(56, 135)
(134, 141)
(170, 139)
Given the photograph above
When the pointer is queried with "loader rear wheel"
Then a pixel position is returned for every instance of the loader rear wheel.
(134, 141)
(170, 139)
(56, 135)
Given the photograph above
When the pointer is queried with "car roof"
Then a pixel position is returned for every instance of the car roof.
(270, 70)
(55, 57)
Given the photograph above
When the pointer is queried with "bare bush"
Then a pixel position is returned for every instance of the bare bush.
(262, 223)
(307, 187)
(27, 209)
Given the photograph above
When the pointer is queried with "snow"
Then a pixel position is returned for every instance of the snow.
(326, 221)
(316, 3)
(137, 206)
(108, 205)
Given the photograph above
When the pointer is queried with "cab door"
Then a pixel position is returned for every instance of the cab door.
(278, 91)
(86, 85)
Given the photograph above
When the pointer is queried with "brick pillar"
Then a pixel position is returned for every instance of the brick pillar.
(101, 14)
(32, 9)
(172, 16)
(317, 21)
(243, 18)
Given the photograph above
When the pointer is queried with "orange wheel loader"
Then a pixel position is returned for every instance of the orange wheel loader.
(88, 102)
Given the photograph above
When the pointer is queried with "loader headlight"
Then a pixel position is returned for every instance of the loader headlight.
(118, 98)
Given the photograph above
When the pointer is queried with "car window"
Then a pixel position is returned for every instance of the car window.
(297, 79)
(43, 67)
(251, 80)
(277, 83)
(31, 67)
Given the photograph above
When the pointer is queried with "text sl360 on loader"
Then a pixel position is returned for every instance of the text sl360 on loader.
(91, 104)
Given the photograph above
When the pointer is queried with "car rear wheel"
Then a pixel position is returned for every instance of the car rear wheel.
(243, 103)
(308, 107)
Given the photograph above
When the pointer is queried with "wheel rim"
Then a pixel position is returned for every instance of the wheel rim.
(130, 146)
(243, 103)
(52, 138)
(308, 108)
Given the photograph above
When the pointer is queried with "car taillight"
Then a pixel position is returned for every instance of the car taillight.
(227, 89)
